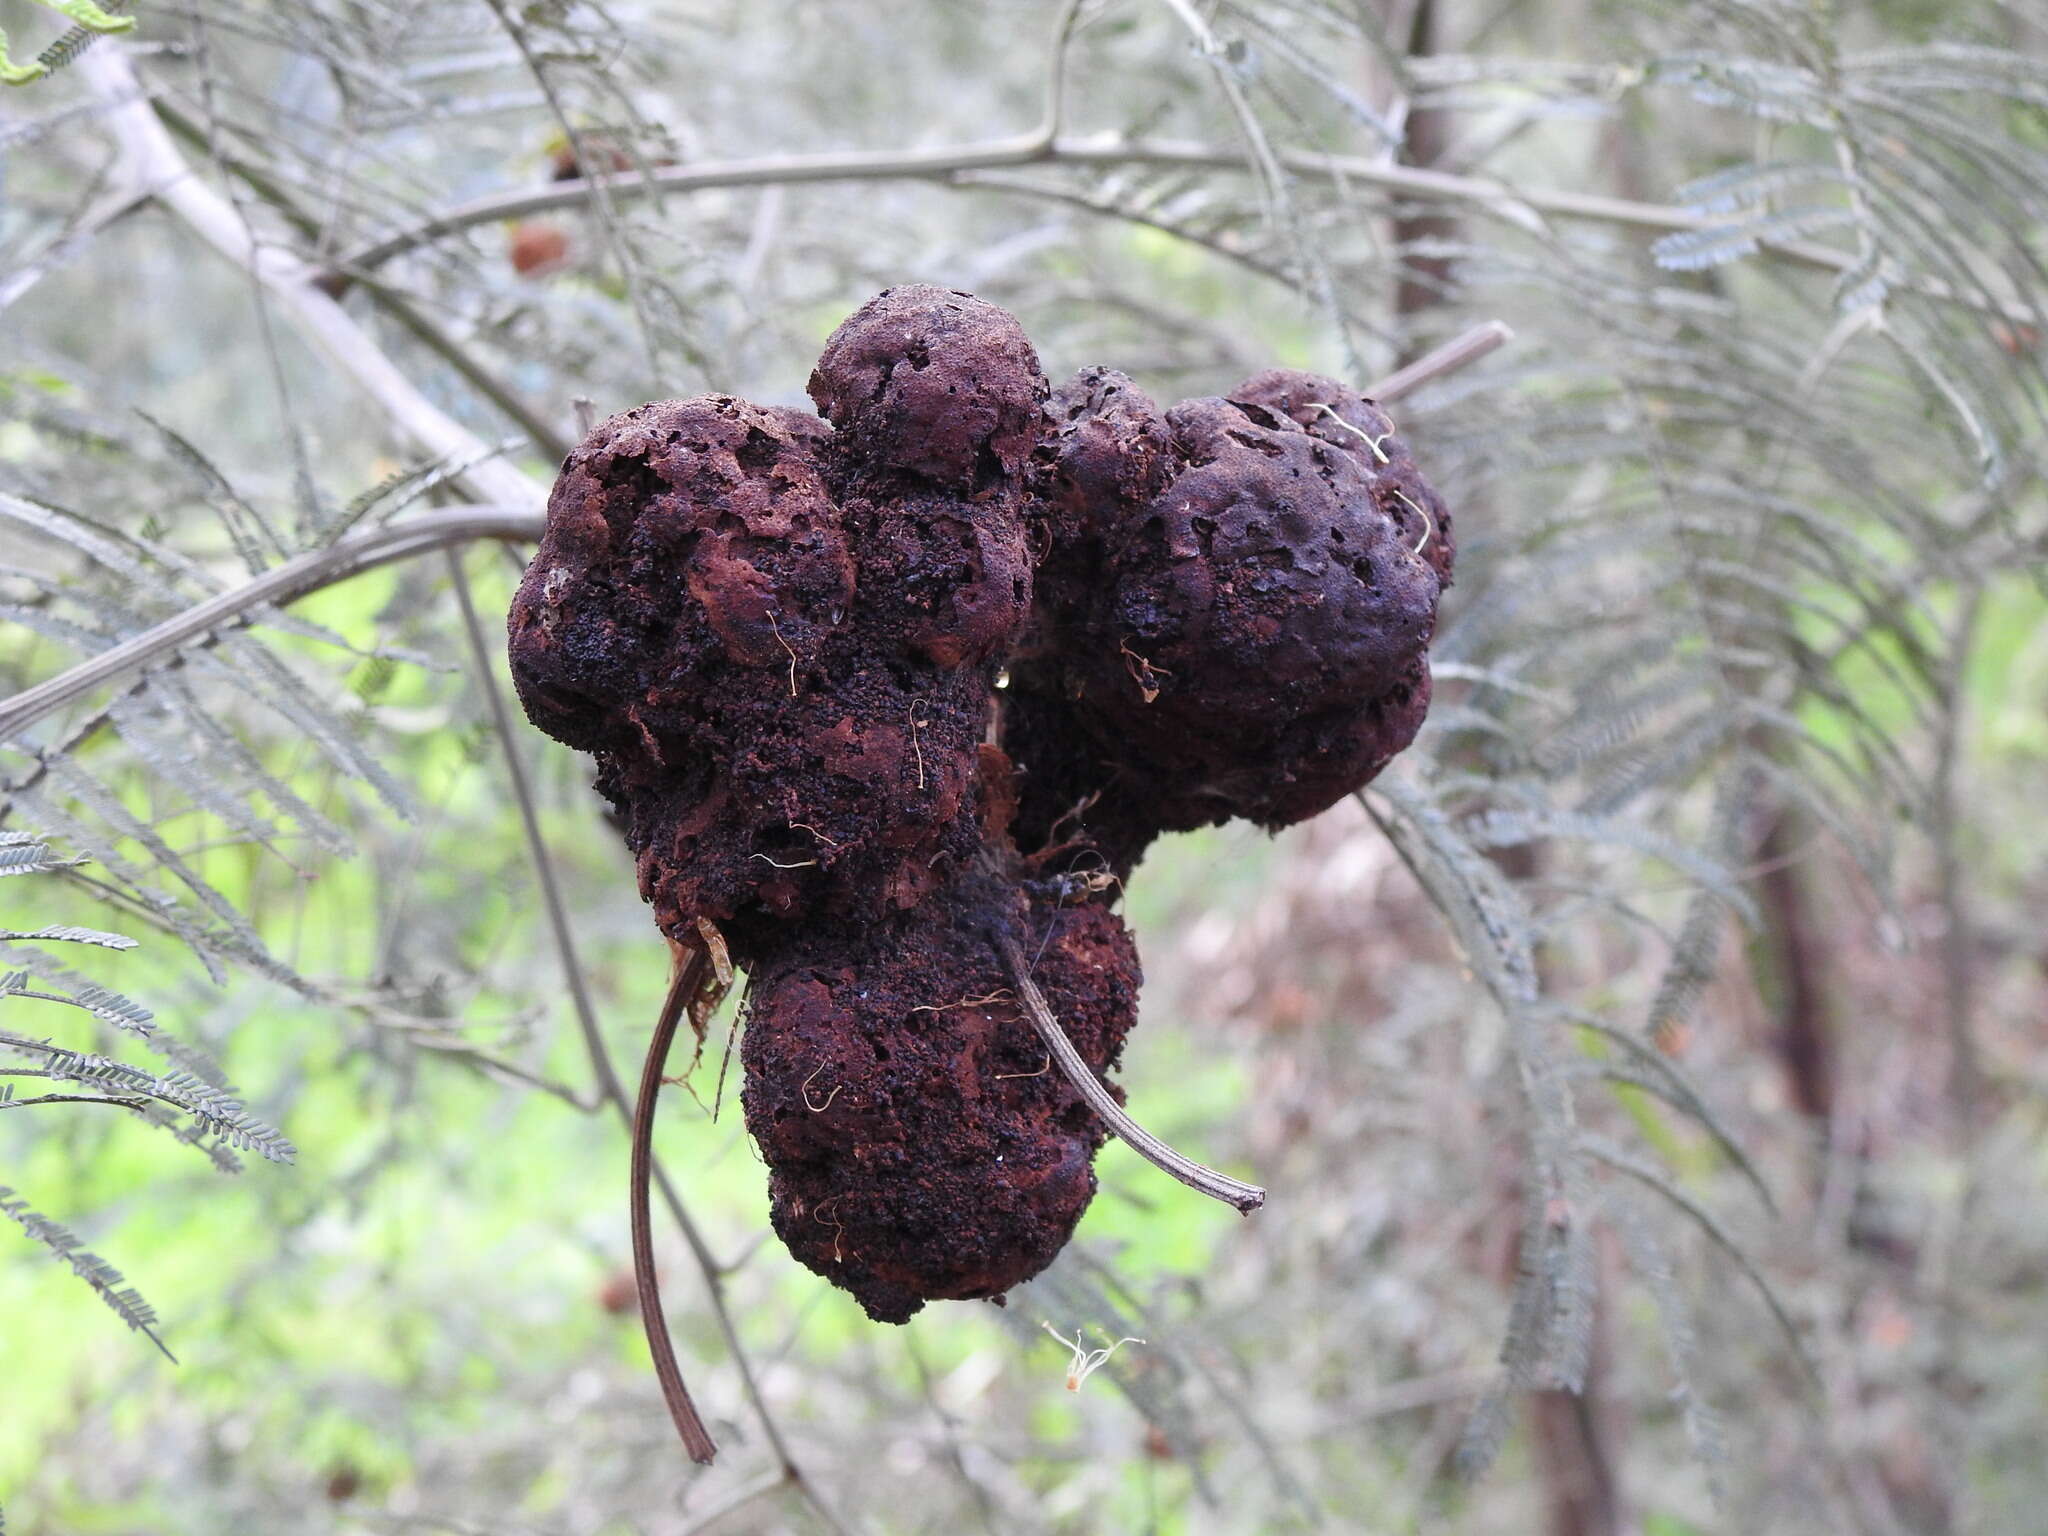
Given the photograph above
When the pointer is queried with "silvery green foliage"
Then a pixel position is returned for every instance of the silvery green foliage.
(1723, 507)
(199, 1112)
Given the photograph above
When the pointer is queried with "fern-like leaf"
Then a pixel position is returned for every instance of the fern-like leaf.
(125, 1301)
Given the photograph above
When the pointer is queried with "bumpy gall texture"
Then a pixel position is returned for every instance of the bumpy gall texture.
(934, 384)
(920, 1144)
(782, 636)
(1240, 601)
(784, 680)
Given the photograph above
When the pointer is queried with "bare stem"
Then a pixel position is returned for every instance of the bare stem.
(1527, 208)
(1459, 352)
(1245, 1198)
(640, 1117)
(153, 164)
(1056, 73)
(310, 572)
(608, 1080)
(689, 1424)
(72, 1098)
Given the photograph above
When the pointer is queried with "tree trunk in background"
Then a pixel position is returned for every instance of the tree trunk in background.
(1795, 969)
(1424, 279)
(1574, 1434)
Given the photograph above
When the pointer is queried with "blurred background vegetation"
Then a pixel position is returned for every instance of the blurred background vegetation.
(1649, 1072)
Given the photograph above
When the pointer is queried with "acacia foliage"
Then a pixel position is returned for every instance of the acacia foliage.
(1730, 507)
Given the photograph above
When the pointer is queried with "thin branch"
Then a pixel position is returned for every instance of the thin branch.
(1108, 208)
(682, 988)
(110, 209)
(154, 163)
(1056, 72)
(456, 1048)
(72, 1098)
(631, 186)
(694, 1434)
(1264, 163)
(296, 578)
(632, 289)
(739, 1498)
(608, 1080)
(1459, 352)
(1245, 1198)
(547, 440)
(1526, 208)
(1018, 149)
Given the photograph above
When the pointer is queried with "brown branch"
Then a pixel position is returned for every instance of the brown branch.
(1245, 1198)
(694, 1435)
(1529, 209)
(689, 974)
(1458, 352)
(608, 1080)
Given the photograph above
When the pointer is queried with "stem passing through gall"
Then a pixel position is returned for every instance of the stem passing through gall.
(1244, 1198)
